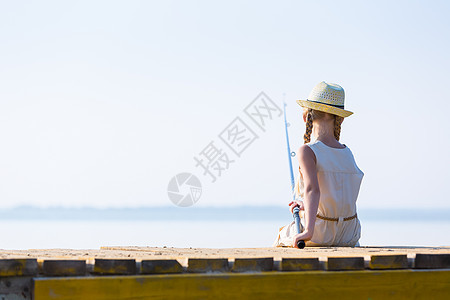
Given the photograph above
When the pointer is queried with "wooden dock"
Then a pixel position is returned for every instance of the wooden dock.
(239, 273)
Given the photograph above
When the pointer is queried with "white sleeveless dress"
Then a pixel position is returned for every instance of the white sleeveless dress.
(339, 182)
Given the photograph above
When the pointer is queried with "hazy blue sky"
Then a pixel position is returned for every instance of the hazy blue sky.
(103, 102)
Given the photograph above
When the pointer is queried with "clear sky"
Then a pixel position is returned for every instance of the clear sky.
(103, 102)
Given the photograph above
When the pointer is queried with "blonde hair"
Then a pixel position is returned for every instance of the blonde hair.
(311, 115)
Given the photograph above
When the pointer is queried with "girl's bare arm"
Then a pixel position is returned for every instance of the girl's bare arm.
(307, 161)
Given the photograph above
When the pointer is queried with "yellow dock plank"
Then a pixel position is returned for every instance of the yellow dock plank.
(392, 284)
(300, 264)
(18, 267)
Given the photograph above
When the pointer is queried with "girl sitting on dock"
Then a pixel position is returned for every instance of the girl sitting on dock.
(329, 179)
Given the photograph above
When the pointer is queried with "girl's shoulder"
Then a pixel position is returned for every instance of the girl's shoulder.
(336, 146)
(305, 152)
(335, 159)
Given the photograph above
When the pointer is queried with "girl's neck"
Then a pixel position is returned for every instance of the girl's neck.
(324, 132)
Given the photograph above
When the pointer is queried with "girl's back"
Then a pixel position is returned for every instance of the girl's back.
(339, 181)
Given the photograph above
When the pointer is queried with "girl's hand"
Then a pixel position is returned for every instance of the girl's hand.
(304, 236)
(296, 203)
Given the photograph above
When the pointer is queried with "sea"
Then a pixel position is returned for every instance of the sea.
(207, 227)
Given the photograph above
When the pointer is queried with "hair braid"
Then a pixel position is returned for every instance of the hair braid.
(337, 126)
(309, 125)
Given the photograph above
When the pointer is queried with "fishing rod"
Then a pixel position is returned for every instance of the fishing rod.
(296, 210)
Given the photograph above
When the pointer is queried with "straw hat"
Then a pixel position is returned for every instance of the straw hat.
(327, 97)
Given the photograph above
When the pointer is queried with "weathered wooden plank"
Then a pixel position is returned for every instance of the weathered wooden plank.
(15, 288)
(263, 264)
(114, 266)
(432, 261)
(161, 266)
(300, 264)
(64, 267)
(202, 265)
(384, 262)
(366, 284)
(345, 263)
(18, 267)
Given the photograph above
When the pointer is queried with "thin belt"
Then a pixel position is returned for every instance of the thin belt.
(337, 219)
